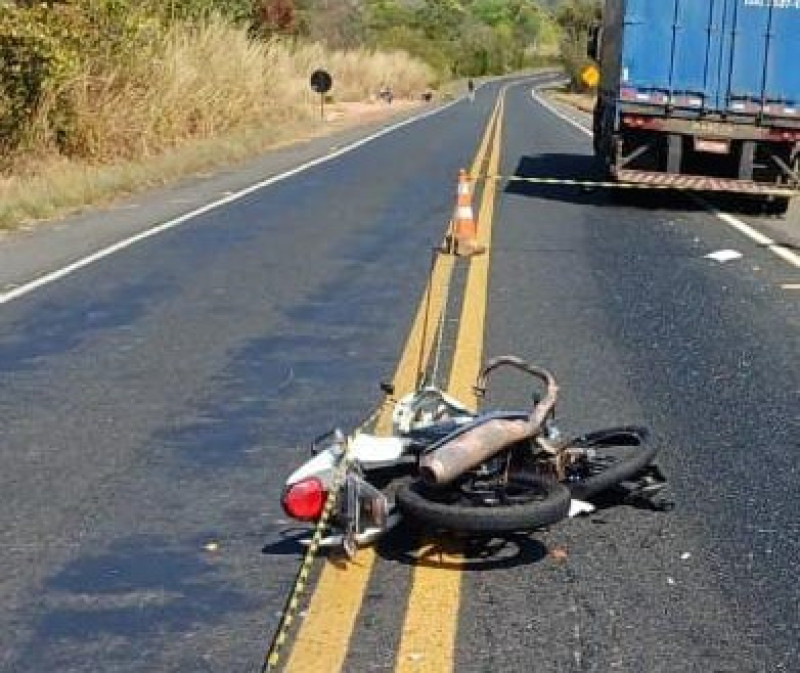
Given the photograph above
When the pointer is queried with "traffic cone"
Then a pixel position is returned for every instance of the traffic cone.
(464, 239)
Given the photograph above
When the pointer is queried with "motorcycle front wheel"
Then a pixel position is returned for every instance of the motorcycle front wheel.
(617, 454)
(529, 501)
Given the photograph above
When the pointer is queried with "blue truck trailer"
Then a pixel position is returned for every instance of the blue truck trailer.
(702, 94)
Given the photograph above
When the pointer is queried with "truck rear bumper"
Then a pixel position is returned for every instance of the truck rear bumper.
(702, 122)
(700, 183)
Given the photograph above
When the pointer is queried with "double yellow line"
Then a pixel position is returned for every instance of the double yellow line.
(428, 638)
(429, 631)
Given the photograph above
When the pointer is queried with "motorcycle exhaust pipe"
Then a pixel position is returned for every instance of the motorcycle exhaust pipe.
(476, 445)
(470, 449)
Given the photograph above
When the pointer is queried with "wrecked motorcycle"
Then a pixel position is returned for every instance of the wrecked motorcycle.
(449, 468)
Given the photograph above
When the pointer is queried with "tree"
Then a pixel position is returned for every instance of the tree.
(440, 19)
(576, 18)
(274, 16)
(336, 23)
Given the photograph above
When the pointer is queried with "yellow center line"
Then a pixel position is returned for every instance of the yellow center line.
(477, 162)
(416, 352)
(469, 343)
(428, 639)
(323, 638)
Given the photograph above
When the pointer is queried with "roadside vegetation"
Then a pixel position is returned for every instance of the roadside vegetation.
(99, 97)
(575, 18)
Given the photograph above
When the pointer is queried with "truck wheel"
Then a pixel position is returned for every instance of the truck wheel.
(597, 129)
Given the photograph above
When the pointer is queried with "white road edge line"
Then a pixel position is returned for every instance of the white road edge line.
(546, 104)
(46, 279)
(742, 227)
(780, 251)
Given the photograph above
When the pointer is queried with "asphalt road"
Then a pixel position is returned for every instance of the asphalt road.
(620, 301)
(152, 404)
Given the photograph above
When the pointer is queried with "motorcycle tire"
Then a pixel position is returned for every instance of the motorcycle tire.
(620, 453)
(428, 506)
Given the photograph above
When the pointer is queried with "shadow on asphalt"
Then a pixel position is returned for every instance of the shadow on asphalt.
(59, 327)
(618, 497)
(582, 167)
(141, 589)
(409, 545)
(289, 542)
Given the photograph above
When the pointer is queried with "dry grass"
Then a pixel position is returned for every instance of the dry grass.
(582, 101)
(59, 187)
(206, 95)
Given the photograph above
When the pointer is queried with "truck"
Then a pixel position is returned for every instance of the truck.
(700, 94)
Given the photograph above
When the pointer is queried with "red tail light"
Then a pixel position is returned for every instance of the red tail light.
(629, 120)
(784, 134)
(304, 500)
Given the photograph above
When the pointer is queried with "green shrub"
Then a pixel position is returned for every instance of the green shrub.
(45, 48)
(37, 53)
(575, 18)
(111, 80)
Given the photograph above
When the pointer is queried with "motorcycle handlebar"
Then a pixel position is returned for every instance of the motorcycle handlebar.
(541, 408)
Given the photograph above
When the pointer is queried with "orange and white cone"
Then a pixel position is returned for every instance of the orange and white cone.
(464, 228)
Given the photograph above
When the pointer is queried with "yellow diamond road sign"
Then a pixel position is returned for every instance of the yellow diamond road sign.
(590, 75)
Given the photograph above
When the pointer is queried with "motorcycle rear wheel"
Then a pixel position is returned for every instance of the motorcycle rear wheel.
(620, 453)
(546, 502)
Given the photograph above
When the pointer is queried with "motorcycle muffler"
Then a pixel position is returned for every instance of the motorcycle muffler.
(471, 448)
(490, 436)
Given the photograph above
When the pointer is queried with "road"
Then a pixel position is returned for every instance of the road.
(154, 400)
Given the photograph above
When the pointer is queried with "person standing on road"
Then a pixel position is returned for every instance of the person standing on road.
(471, 89)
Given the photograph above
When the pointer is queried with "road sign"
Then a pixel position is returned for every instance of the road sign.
(590, 75)
(321, 81)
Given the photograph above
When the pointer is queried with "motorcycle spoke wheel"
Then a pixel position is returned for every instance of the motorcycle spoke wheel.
(617, 454)
(495, 493)
(532, 502)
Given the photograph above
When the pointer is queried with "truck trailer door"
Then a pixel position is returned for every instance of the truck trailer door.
(675, 50)
(697, 52)
(647, 48)
(765, 45)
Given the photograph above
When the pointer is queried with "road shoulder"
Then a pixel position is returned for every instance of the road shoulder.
(36, 249)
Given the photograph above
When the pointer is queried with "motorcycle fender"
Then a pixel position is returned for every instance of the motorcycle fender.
(366, 450)
(370, 450)
(321, 466)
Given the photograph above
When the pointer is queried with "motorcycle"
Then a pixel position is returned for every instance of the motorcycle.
(487, 473)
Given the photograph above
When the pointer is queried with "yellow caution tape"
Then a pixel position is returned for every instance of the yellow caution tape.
(273, 656)
(698, 187)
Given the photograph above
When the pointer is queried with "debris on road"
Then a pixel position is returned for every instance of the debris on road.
(723, 256)
(578, 507)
